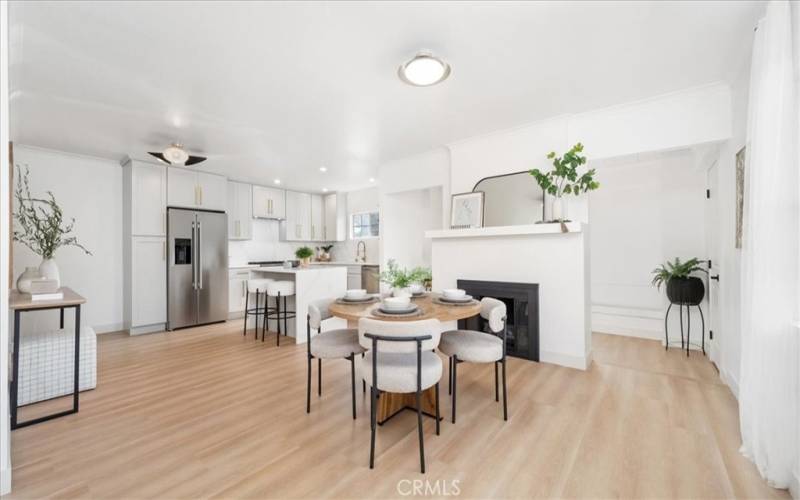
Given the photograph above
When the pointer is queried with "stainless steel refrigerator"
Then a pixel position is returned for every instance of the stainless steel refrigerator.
(197, 272)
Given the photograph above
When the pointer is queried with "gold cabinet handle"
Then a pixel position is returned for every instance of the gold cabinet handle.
(201, 195)
(164, 251)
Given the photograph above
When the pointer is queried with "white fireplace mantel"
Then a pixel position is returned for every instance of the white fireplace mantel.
(528, 229)
(537, 253)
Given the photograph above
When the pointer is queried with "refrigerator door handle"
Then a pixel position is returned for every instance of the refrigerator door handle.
(199, 257)
(194, 261)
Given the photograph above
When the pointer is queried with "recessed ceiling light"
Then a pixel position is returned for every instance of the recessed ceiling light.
(424, 70)
(323, 169)
(277, 181)
(372, 179)
(324, 190)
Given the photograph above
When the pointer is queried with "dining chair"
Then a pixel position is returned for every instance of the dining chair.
(400, 360)
(479, 347)
(332, 344)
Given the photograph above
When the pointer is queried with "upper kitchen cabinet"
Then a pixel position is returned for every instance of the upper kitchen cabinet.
(269, 203)
(317, 222)
(193, 189)
(146, 187)
(335, 218)
(240, 211)
(297, 226)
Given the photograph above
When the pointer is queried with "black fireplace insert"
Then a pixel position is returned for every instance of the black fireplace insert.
(522, 305)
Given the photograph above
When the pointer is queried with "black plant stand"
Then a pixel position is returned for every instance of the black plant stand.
(688, 326)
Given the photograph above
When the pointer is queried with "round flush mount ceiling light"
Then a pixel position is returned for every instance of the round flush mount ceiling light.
(277, 181)
(424, 70)
(175, 154)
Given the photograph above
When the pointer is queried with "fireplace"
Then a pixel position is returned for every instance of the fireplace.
(522, 304)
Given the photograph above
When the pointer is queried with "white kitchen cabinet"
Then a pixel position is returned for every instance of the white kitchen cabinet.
(240, 211)
(148, 282)
(353, 277)
(193, 189)
(297, 226)
(335, 228)
(317, 219)
(269, 203)
(237, 291)
(148, 198)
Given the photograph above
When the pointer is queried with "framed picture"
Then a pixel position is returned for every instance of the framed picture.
(740, 163)
(466, 210)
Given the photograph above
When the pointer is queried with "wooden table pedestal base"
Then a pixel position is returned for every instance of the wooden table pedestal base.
(392, 403)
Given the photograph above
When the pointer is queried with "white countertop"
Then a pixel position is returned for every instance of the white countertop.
(293, 270)
(242, 266)
(344, 263)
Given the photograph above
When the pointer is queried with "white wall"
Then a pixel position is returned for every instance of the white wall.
(648, 211)
(406, 216)
(363, 200)
(5, 436)
(89, 190)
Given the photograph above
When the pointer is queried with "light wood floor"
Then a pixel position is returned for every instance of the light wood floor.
(208, 413)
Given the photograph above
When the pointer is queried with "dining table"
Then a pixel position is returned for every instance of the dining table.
(430, 306)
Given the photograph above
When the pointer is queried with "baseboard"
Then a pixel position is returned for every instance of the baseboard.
(568, 360)
(109, 328)
(794, 486)
(141, 330)
(730, 382)
(627, 321)
(5, 481)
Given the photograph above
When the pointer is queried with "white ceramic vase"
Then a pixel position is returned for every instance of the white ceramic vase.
(401, 292)
(49, 269)
(558, 210)
(24, 280)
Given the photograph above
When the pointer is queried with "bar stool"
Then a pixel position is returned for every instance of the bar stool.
(279, 289)
(258, 287)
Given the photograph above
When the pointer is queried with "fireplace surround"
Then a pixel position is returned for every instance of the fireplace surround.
(522, 304)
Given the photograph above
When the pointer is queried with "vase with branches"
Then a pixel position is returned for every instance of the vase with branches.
(40, 225)
(565, 179)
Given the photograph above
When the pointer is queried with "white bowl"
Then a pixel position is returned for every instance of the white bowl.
(453, 293)
(356, 294)
(395, 303)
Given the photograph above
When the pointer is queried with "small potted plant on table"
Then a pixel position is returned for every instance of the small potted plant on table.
(304, 255)
(682, 287)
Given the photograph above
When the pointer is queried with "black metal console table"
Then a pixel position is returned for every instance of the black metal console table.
(21, 302)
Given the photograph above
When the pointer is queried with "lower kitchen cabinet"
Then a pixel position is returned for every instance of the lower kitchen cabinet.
(148, 275)
(237, 291)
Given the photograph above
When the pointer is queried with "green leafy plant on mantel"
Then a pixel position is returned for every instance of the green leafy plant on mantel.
(677, 269)
(565, 179)
(40, 221)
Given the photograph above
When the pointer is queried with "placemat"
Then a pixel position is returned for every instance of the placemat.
(413, 314)
(438, 300)
(369, 300)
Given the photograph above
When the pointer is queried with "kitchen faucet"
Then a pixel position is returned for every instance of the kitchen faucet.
(359, 255)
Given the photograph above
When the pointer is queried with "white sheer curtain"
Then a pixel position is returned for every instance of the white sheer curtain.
(769, 392)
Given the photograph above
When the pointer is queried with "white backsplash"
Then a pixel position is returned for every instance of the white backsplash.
(266, 245)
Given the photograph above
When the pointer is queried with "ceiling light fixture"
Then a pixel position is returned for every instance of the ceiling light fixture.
(423, 70)
(277, 181)
(323, 169)
(324, 190)
(175, 154)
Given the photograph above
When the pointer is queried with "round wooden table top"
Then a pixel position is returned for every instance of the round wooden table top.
(430, 309)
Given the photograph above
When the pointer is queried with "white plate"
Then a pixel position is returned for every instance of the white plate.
(405, 310)
(460, 300)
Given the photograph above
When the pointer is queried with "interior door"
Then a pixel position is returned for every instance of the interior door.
(212, 264)
(713, 242)
(181, 292)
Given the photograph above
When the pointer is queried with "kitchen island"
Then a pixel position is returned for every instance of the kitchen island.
(310, 284)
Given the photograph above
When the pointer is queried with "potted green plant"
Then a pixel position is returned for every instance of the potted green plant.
(325, 252)
(682, 287)
(420, 279)
(40, 226)
(304, 255)
(398, 278)
(564, 179)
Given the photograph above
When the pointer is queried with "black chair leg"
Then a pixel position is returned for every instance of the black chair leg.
(455, 385)
(246, 301)
(437, 407)
(505, 394)
(308, 388)
(363, 382)
(353, 381)
(496, 393)
(450, 375)
(285, 317)
(372, 418)
(278, 319)
(419, 432)
(319, 376)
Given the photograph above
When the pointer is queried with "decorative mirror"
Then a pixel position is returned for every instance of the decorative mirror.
(511, 200)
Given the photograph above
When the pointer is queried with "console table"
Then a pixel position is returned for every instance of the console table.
(21, 302)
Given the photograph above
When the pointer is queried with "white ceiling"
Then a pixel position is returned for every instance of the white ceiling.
(278, 89)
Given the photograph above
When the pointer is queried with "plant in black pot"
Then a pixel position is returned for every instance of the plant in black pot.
(682, 287)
